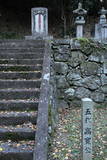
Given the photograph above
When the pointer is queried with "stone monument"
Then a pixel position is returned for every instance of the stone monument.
(101, 27)
(87, 120)
(80, 20)
(39, 23)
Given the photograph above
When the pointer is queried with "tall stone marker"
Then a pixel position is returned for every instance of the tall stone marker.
(101, 27)
(87, 120)
(80, 21)
(39, 23)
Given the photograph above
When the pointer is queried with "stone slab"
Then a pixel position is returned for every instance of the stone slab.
(87, 122)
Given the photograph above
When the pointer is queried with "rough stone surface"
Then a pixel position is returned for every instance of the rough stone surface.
(73, 77)
(80, 72)
(103, 79)
(82, 93)
(96, 58)
(98, 96)
(104, 89)
(61, 68)
(92, 82)
(90, 68)
(69, 93)
(61, 57)
(76, 58)
(61, 82)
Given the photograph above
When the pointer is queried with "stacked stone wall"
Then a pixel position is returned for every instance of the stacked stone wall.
(79, 72)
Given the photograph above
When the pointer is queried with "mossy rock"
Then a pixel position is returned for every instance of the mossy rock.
(89, 46)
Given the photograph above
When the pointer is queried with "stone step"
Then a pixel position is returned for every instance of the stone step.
(19, 68)
(20, 83)
(22, 43)
(21, 150)
(19, 105)
(21, 61)
(23, 94)
(17, 118)
(21, 50)
(19, 132)
(20, 75)
(21, 56)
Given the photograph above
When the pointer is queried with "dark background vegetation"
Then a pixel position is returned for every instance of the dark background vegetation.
(15, 15)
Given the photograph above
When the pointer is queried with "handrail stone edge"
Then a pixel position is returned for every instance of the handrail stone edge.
(41, 137)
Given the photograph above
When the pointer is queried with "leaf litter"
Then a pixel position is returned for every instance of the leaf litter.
(66, 141)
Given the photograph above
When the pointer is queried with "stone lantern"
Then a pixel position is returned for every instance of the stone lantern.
(39, 23)
(101, 27)
(80, 20)
(103, 13)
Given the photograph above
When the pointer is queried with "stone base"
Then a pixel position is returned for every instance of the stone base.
(38, 37)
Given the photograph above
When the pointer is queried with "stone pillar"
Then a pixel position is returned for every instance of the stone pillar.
(103, 23)
(79, 26)
(101, 27)
(39, 23)
(87, 122)
(80, 21)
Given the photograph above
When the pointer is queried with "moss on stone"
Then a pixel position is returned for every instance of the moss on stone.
(91, 46)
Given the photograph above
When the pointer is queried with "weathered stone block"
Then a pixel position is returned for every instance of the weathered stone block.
(104, 89)
(98, 96)
(92, 82)
(69, 93)
(95, 57)
(90, 68)
(104, 79)
(64, 49)
(61, 57)
(61, 82)
(61, 68)
(82, 92)
(74, 79)
(76, 58)
(62, 41)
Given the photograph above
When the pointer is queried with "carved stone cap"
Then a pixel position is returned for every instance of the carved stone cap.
(80, 10)
(39, 10)
(103, 11)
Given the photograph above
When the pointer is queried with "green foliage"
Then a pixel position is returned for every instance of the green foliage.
(101, 106)
(10, 35)
(89, 45)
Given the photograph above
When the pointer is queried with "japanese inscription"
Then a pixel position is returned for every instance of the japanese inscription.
(87, 119)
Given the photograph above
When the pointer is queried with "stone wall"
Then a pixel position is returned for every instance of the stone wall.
(79, 71)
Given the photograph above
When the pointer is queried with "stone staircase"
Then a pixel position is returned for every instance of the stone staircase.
(20, 79)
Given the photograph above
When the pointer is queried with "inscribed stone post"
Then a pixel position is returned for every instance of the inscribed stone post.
(39, 23)
(87, 121)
